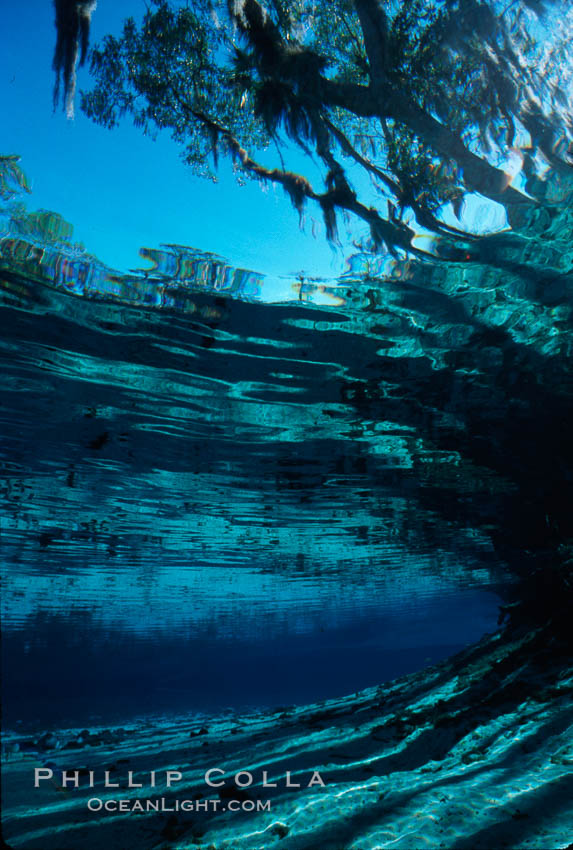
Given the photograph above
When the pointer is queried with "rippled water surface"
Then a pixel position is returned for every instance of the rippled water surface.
(215, 502)
(237, 509)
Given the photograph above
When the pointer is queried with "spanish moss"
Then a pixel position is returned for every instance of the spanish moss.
(73, 20)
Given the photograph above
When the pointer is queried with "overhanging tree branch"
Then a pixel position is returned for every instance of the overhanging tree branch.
(300, 190)
(374, 25)
(191, 77)
(380, 99)
(424, 216)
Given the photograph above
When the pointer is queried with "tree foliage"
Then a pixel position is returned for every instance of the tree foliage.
(12, 178)
(427, 98)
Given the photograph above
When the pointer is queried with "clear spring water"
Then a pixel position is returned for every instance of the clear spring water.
(223, 490)
(210, 501)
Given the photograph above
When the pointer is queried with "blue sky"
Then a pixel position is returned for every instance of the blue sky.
(122, 190)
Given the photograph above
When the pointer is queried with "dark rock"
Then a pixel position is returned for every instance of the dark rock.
(73, 745)
(49, 742)
(280, 829)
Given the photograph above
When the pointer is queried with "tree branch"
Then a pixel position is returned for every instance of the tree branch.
(299, 189)
(374, 24)
(423, 216)
(479, 175)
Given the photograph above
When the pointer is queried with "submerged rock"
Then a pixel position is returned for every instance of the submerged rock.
(49, 742)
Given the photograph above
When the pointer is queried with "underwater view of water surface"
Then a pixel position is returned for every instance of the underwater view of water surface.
(287, 495)
(202, 516)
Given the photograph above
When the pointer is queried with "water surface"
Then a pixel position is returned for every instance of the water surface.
(213, 502)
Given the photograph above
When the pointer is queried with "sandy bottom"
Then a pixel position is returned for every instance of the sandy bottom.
(476, 752)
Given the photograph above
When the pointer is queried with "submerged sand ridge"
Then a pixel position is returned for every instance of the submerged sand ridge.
(474, 752)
